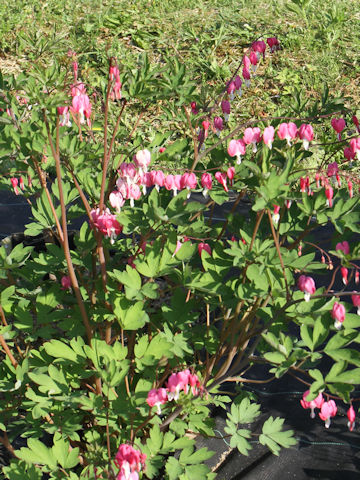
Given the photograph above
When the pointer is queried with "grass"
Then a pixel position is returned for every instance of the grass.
(320, 41)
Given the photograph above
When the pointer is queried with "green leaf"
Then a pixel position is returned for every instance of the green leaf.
(173, 468)
(37, 453)
(60, 350)
(238, 440)
(130, 316)
(61, 450)
(273, 437)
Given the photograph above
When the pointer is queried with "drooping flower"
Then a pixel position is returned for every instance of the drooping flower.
(338, 125)
(231, 88)
(158, 178)
(177, 382)
(238, 83)
(328, 410)
(82, 106)
(287, 131)
(351, 417)
(312, 404)
(64, 116)
(343, 246)
(221, 178)
(276, 214)
(206, 183)
(329, 193)
(206, 125)
(14, 182)
(355, 147)
(65, 282)
(306, 134)
(106, 223)
(246, 76)
(254, 61)
(268, 136)
(193, 108)
(252, 136)
(259, 47)
(116, 200)
(356, 302)
(332, 169)
(204, 246)
(338, 314)
(237, 148)
(273, 43)
(130, 461)
(114, 76)
(219, 125)
(344, 274)
(306, 285)
(156, 398)
(356, 122)
(188, 181)
(349, 154)
(230, 174)
(142, 160)
(350, 187)
(225, 107)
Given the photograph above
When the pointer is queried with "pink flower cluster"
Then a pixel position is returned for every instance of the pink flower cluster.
(106, 223)
(15, 182)
(80, 105)
(134, 175)
(114, 76)
(327, 409)
(332, 174)
(130, 461)
(253, 136)
(176, 383)
(353, 149)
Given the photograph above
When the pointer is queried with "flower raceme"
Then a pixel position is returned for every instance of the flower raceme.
(306, 285)
(130, 461)
(237, 148)
(176, 383)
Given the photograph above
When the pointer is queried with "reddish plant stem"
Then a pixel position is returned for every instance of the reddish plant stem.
(256, 228)
(44, 186)
(5, 441)
(8, 351)
(106, 156)
(279, 253)
(4, 322)
(66, 247)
